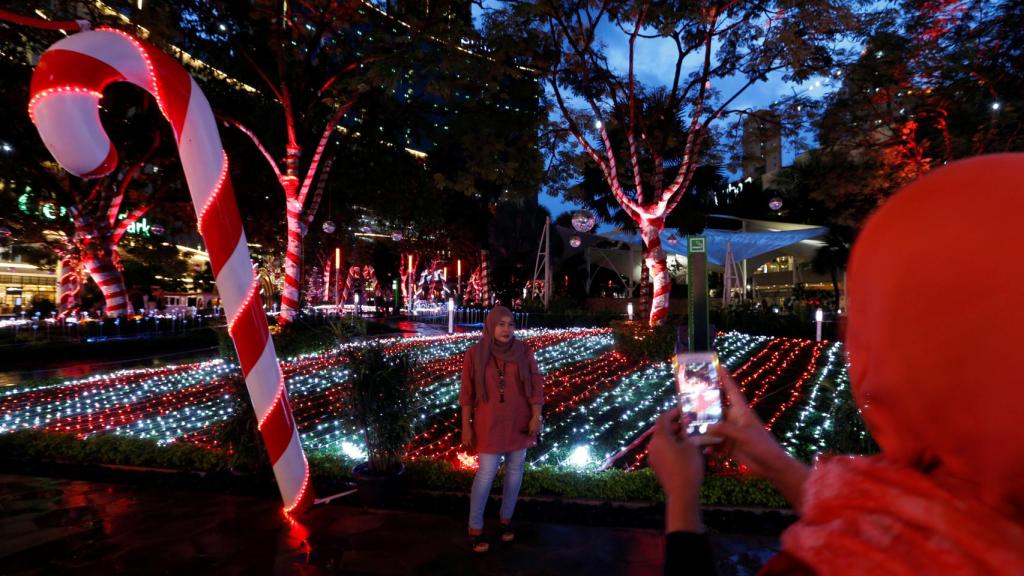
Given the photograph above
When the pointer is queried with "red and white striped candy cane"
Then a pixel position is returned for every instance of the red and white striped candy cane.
(111, 283)
(70, 286)
(650, 230)
(66, 88)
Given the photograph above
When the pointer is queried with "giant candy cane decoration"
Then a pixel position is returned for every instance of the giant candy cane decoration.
(66, 88)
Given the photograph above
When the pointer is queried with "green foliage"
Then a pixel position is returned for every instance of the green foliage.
(328, 468)
(752, 320)
(848, 434)
(639, 341)
(612, 485)
(383, 401)
(240, 433)
(108, 449)
(740, 491)
(304, 336)
(346, 328)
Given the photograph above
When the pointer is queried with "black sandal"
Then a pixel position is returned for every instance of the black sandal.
(507, 533)
(479, 543)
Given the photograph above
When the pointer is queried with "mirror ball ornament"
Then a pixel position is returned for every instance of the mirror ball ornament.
(366, 229)
(156, 229)
(5, 232)
(673, 239)
(583, 221)
(775, 203)
(397, 236)
(330, 227)
(575, 241)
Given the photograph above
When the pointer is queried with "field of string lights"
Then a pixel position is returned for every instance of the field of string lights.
(599, 405)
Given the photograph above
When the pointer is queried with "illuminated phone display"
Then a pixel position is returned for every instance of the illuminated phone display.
(699, 392)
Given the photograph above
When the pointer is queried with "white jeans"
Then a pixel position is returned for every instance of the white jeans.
(485, 474)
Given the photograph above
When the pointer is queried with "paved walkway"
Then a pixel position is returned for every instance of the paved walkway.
(52, 526)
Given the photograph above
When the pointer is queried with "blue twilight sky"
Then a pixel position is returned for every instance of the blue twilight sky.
(655, 64)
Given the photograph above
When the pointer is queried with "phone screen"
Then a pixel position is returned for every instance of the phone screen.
(699, 392)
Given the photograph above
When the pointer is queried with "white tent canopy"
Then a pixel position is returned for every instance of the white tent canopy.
(757, 242)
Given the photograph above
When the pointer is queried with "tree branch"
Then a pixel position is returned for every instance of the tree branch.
(634, 157)
(256, 141)
(129, 177)
(122, 226)
(263, 75)
(332, 123)
(321, 183)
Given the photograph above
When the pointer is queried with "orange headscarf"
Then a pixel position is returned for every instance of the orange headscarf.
(936, 310)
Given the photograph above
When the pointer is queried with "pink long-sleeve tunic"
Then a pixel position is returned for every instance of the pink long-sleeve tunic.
(500, 427)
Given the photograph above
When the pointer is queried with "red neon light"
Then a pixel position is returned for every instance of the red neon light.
(149, 66)
(58, 90)
(302, 491)
(277, 398)
(216, 192)
(253, 287)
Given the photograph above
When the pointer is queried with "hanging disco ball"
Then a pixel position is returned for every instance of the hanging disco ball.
(575, 241)
(583, 221)
(157, 229)
(673, 239)
(5, 232)
(366, 229)
(329, 227)
(775, 203)
(397, 236)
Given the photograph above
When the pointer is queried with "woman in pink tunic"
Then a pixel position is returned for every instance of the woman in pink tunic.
(501, 398)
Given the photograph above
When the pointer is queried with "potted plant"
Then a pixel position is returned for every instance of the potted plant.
(382, 399)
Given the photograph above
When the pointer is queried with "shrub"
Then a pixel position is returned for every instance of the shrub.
(382, 398)
(639, 341)
(332, 469)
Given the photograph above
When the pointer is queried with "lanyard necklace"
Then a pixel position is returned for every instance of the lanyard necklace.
(501, 379)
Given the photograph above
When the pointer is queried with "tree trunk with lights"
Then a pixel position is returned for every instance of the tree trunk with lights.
(69, 285)
(98, 232)
(300, 206)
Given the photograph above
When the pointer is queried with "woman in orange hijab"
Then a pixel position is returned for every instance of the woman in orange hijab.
(933, 337)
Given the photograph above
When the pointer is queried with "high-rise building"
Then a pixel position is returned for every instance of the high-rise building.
(762, 143)
(434, 11)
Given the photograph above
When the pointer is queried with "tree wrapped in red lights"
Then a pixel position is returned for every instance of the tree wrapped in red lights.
(649, 142)
(309, 61)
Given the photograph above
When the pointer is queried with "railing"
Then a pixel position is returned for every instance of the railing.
(467, 316)
(34, 329)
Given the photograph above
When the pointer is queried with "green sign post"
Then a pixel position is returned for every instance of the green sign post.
(697, 304)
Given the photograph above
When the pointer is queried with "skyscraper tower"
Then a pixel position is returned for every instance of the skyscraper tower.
(762, 143)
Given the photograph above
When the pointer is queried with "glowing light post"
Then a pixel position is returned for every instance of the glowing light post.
(818, 317)
(412, 287)
(337, 275)
(458, 276)
(629, 311)
(355, 308)
(451, 315)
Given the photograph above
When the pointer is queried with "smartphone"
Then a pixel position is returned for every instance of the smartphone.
(699, 392)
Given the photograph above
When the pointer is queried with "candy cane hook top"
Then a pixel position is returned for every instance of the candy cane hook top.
(65, 92)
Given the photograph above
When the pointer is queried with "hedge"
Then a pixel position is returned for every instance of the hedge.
(332, 470)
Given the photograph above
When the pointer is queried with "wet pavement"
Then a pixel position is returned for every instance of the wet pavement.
(54, 526)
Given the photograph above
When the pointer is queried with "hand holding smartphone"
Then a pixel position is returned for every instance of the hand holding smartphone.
(699, 392)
